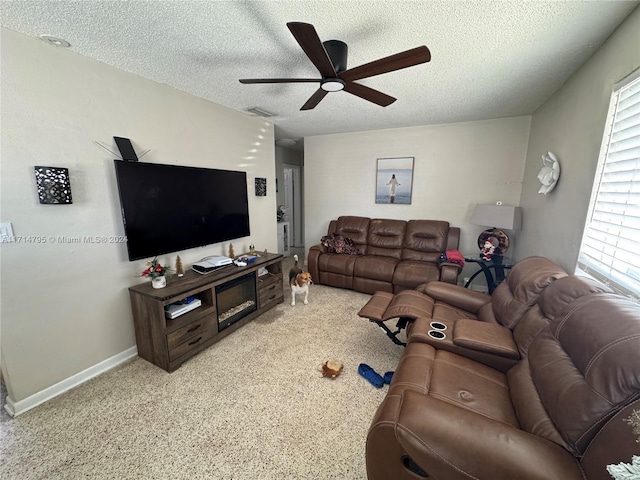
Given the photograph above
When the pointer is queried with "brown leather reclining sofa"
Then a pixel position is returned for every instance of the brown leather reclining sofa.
(541, 386)
(396, 254)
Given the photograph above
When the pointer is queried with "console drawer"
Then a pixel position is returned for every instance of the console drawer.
(194, 329)
(269, 293)
(273, 298)
(269, 289)
(265, 281)
(192, 343)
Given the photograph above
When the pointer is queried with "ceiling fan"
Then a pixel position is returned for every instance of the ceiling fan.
(330, 58)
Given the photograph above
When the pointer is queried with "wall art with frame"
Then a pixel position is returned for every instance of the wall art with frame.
(394, 180)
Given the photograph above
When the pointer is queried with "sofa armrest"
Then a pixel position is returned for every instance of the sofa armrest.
(456, 296)
(312, 261)
(449, 272)
(485, 337)
(319, 247)
(450, 442)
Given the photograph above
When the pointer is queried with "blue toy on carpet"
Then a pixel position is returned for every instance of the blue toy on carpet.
(373, 377)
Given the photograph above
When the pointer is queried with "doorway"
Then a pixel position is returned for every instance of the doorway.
(293, 201)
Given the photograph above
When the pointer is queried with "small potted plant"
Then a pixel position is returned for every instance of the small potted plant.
(157, 273)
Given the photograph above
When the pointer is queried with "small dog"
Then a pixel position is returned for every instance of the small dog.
(299, 282)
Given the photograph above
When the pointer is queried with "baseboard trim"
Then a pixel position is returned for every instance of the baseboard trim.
(17, 408)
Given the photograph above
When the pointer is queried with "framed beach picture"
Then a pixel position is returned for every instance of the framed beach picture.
(394, 180)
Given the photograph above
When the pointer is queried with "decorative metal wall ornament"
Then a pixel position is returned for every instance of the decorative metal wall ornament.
(54, 186)
(261, 187)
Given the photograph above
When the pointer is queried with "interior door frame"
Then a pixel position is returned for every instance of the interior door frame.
(295, 209)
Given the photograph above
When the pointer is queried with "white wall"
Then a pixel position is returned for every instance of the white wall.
(571, 124)
(456, 166)
(65, 307)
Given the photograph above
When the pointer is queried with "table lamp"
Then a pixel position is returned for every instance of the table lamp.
(497, 216)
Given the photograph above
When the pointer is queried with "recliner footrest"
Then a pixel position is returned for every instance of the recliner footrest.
(376, 306)
(405, 305)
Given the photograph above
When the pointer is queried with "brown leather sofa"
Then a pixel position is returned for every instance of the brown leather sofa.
(396, 255)
(558, 413)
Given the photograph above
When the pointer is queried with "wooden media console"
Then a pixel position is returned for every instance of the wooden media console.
(230, 297)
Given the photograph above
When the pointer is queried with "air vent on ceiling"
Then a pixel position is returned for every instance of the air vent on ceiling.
(259, 112)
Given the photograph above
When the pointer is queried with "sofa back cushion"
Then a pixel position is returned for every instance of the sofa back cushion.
(553, 301)
(385, 238)
(355, 228)
(586, 365)
(520, 291)
(425, 240)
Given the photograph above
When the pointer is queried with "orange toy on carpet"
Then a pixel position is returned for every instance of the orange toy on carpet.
(331, 368)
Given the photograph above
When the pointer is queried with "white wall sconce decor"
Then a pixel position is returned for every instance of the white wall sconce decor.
(53, 184)
(549, 173)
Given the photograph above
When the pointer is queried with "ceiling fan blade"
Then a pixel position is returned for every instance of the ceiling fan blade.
(306, 36)
(369, 94)
(314, 100)
(401, 60)
(280, 80)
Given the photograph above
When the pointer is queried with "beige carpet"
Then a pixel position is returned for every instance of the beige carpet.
(253, 406)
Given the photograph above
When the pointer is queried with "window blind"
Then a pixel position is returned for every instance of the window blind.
(610, 247)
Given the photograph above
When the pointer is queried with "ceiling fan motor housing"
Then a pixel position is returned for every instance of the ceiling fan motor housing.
(330, 59)
(337, 52)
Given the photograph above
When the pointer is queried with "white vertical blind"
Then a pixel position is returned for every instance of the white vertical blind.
(610, 247)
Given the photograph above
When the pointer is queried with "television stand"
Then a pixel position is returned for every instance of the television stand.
(230, 298)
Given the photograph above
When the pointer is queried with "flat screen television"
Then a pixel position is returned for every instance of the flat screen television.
(168, 208)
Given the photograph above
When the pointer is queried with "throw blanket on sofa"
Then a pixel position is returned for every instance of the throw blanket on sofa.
(453, 256)
(336, 243)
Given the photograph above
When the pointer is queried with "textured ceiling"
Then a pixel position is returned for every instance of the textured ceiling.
(490, 59)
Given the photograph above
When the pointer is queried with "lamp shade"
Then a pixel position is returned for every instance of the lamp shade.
(498, 216)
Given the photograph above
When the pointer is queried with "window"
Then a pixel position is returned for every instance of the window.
(610, 249)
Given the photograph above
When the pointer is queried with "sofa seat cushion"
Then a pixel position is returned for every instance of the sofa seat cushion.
(444, 311)
(455, 380)
(337, 263)
(375, 267)
(411, 273)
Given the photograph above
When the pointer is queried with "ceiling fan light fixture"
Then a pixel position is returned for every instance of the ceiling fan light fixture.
(55, 41)
(332, 84)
